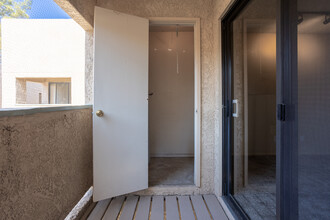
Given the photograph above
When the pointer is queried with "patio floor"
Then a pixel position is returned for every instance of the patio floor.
(200, 207)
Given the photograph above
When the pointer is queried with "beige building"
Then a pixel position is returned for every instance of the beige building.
(43, 62)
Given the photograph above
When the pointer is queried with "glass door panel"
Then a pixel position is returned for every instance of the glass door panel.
(313, 115)
(253, 123)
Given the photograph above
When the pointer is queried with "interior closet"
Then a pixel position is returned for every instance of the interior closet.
(171, 105)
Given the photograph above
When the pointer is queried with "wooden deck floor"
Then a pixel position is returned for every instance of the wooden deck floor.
(200, 207)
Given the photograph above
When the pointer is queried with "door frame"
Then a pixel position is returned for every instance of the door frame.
(227, 56)
(286, 124)
(195, 22)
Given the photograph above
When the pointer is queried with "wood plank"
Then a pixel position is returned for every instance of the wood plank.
(172, 211)
(200, 208)
(143, 208)
(129, 208)
(157, 208)
(185, 207)
(114, 208)
(99, 210)
(215, 207)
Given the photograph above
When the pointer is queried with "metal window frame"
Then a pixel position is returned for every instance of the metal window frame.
(227, 56)
(286, 94)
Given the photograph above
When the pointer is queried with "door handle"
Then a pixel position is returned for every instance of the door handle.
(99, 113)
(235, 113)
(149, 95)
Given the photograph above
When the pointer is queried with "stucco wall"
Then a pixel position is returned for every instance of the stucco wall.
(82, 11)
(45, 163)
(0, 77)
(89, 67)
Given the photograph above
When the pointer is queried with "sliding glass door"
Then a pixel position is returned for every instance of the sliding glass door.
(276, 118)
(250, 102)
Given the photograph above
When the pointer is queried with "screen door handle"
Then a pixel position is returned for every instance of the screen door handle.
(235, 107)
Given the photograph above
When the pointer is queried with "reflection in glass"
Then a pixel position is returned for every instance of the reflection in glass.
(313, 111)
(254, 129)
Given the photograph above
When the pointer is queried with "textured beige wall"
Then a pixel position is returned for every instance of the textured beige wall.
(20, 91)
(0, 79)
(89, 67)
(45, 163)
(82, 11)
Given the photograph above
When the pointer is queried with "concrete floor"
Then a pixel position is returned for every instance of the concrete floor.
(171, 171)
(314, 186)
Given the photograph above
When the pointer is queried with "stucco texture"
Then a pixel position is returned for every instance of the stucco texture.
(82, 11)
(45, 163)
(89, 67)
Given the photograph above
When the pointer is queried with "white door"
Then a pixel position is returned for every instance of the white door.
(120, 151)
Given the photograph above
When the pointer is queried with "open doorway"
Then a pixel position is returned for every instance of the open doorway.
(121, 127)
(172, 103)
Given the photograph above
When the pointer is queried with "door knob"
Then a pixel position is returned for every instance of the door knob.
(99, 113)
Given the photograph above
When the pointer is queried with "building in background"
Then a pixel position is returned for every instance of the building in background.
(0, 78)
(43, 62)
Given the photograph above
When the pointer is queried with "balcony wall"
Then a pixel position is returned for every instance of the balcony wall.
(45, 163)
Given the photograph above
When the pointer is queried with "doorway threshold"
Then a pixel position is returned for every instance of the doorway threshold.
(170, 190)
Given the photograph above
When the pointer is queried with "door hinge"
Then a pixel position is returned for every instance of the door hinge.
(281, 112)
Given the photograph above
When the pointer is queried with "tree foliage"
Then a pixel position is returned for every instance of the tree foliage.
(14, 9)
